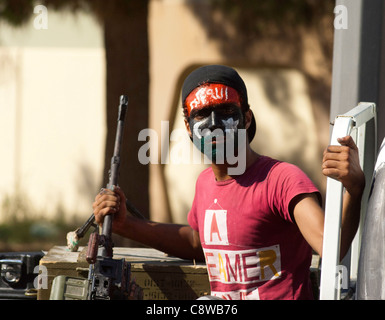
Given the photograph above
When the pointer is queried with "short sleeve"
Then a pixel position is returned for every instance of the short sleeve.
(192, 217)
(285, 182)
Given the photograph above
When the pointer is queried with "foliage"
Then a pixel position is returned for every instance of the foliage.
(16, 12)
(244, 13)
(21, 223)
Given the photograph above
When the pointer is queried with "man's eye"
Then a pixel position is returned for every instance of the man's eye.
(227, 112)
(201, 114)
(198, 117)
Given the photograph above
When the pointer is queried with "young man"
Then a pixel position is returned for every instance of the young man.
(257, 228)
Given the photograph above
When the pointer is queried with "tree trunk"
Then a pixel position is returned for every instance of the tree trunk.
(127, 60)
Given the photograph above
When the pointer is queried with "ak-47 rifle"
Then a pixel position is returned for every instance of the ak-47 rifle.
(108, 278)
(73, 237)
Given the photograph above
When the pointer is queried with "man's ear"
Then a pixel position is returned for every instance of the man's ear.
(248, 117)
(187, 125)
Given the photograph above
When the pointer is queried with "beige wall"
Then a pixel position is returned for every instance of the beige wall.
(52, 102)
(52, 105)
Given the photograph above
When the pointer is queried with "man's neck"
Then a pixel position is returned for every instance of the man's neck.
(221, 171)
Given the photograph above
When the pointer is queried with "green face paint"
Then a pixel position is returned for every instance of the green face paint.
(215, 131)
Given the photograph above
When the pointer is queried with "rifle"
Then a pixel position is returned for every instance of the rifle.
(108, 278)
(73, 237)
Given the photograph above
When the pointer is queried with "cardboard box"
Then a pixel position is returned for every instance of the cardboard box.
(161, 277)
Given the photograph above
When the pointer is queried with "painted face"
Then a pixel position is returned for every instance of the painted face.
(215, 118)
(215, 130)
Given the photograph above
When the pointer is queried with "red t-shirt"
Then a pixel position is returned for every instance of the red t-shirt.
(253, 248)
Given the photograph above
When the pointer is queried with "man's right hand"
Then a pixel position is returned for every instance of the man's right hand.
(110, 202)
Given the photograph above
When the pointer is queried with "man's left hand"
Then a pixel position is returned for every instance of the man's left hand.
(342, 163)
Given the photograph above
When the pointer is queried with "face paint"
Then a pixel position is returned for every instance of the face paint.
(217, 132)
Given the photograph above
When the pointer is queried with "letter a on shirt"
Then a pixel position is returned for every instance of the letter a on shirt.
(215, 227)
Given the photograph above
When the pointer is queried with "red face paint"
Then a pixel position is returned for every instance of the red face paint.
(211, 94)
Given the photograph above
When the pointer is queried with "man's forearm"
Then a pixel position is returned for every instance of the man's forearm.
(174, 239)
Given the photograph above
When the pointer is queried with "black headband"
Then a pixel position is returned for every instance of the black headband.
(214, 74)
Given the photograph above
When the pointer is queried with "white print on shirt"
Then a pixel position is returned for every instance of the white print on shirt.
(215, 227)
(250, 294)
(243, 266)
(203, 94)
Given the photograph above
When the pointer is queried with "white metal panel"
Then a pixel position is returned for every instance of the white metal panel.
(343, 125)
(333, 211)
